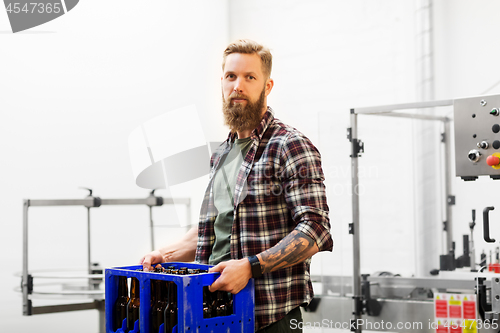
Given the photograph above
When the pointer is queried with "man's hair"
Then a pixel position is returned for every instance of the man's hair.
(248, 46)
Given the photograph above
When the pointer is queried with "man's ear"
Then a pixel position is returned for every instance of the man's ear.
(269, 86)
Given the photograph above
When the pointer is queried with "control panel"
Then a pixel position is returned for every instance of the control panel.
(477, 137)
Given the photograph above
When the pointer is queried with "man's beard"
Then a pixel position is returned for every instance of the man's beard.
(239, 117)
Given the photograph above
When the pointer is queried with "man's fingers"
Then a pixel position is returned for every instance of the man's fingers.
(215, 286)
(217, 283)
(214, 269)
(146, 263)
(217, 268)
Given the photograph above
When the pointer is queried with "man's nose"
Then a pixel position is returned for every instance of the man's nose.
(238, 86)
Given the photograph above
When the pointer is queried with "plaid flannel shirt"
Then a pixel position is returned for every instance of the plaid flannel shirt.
(279, 188)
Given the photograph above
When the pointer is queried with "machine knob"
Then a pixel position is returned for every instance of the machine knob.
(493, 160)
(474, 155)
(483, 145)
(494, 112)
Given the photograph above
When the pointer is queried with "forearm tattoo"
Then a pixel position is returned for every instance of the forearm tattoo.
(294, 248)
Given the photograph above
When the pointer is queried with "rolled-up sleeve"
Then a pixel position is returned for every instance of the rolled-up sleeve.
(305, 194)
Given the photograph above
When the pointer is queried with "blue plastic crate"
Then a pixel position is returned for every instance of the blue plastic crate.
(189, 301)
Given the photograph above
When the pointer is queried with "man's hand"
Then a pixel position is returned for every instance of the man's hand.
(150, 259)
(234, 275)
(184, 251)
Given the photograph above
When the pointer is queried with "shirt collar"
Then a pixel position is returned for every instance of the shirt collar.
(259, 130)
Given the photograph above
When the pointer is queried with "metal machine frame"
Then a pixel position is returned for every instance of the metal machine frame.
(357, 148)
(95, 276)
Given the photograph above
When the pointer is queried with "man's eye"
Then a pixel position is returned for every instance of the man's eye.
(251, 77)
(230, 76)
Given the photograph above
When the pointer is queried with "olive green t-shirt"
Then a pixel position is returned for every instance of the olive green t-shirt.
(223, 188)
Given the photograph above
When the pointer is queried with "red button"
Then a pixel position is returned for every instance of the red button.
(492, 160)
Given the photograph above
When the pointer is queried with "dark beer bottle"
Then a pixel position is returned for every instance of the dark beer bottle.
(158, 308)
(152, 293)
(133, 304)
(228, 299)
(207, 303)
(171, 309)
(220, 306)
(120, 310)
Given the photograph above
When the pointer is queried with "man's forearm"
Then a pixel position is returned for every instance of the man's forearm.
(293, 249)
(182, 251)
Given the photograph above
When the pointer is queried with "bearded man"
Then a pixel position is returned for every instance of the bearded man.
(264, 213)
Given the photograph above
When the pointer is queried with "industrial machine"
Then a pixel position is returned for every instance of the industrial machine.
(92, 290)
(446, 300)
(477, 138)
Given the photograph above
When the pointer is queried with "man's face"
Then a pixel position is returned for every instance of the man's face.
(244, 91)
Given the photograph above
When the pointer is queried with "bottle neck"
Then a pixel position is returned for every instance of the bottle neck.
(134, 289)
(172, 293)
(159, 291)
(122, 286)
